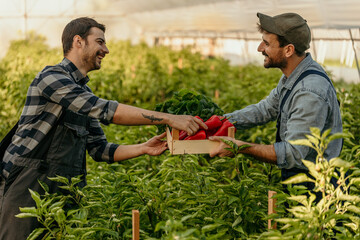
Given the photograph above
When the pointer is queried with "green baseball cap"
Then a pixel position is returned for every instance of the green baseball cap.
(291, 26)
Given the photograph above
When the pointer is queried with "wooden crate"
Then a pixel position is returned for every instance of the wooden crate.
(177, 146)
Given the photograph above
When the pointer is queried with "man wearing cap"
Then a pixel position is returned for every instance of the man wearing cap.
(303, 98)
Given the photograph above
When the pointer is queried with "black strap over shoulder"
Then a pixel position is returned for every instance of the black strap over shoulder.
(5, 143)
(302, 76)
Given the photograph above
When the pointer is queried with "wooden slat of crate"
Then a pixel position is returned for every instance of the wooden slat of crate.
(177, 146)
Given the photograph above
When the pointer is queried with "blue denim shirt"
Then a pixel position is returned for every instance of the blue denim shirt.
(312, 103)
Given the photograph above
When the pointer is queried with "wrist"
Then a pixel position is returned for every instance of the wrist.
(142, 149)
(246, 149)
(166, 119)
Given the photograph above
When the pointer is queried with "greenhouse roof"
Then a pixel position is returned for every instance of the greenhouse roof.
(139, 20)
(234, 15)
(187, 16)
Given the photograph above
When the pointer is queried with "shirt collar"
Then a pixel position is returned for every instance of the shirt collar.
(304, 64)
(75, 72)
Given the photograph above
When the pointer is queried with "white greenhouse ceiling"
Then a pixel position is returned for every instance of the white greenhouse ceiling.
(187, 16)
(224, 27)
(234, 15)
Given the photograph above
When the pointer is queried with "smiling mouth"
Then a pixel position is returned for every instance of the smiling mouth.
(100, 55)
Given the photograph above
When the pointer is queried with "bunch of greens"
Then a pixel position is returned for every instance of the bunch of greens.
(189, 102)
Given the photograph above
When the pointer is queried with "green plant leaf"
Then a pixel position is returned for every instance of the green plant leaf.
(355, 181)
(315, 131)
(326, 133)
(298, 178)
(28, 210)
(160, 225)
(303, 142)
(60, 216)
(210, 227)
(356, 172)
(287, 220)
(301, 199)
(237, 221)
(57, 205)
(350, 198)
(36, 197)
(35, 233)
(87, 234)
(76, 180)
(313, 140)
(60, 179)
(353, 209)
(337, 136)
(338, 162)
(78, 191)
(43, 185)
(26, 215)
(311, 167)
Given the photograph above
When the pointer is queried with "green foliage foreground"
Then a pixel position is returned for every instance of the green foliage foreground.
(189, 196)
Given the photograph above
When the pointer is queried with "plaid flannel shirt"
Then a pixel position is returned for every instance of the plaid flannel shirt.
(54, 88)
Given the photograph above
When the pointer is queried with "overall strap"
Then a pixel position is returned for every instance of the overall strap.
(5, 143)
(301, 77)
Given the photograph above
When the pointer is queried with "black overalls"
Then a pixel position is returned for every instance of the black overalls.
(61, 152)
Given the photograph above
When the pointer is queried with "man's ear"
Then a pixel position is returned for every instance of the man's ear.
(289, 50)
(77, 41)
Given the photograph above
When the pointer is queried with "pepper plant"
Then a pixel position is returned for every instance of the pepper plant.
(62, 215)
(336, 214)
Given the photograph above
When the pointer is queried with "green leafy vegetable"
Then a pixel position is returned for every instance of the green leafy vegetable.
(189, 102)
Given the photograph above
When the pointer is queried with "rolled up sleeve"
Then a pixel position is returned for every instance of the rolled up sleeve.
(97, 145)
(256, 114)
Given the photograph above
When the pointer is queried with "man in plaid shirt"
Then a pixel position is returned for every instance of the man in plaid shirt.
(60, 121)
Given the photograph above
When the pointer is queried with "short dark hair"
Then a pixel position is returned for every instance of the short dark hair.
(79, 26)
(282, 41)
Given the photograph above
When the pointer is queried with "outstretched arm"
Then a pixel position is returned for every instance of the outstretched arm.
(129, 115)
(155, 146)
(264, 153)
(83, 101)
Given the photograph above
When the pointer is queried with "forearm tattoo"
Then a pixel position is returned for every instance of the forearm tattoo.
(152, 118)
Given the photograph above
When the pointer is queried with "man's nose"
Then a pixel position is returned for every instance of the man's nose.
(106, 50)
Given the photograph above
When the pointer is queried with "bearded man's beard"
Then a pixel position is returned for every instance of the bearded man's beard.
(275, 62)
(90, 60)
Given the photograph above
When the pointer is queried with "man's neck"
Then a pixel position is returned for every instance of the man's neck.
(293, 62)
(78, 63)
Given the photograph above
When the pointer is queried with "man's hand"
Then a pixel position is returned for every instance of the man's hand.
(155, 146)
(187, 123)
(220, 149)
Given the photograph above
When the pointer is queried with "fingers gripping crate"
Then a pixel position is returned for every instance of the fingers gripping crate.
(205, 146)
